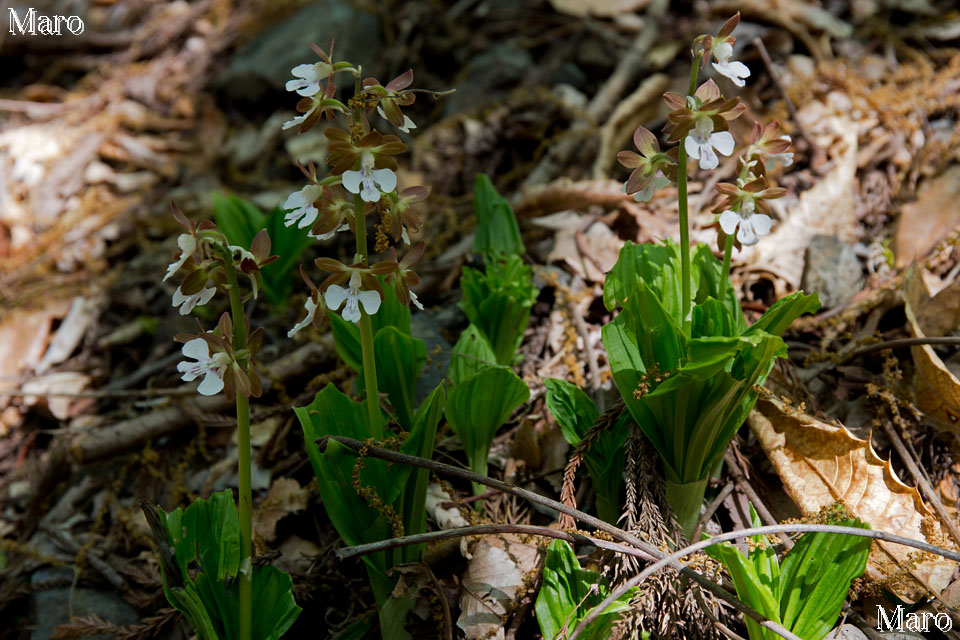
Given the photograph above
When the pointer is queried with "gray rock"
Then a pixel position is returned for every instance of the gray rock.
(832, 270)
(266, 62)
(52, 606)
(490, 75)
(425, 327)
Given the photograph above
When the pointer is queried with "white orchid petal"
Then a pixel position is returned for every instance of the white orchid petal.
(296, 121)
(173, 267)
(761, 223)
(206, 295)
(745, 235)
(370, 301)
(351, 181)
(415, 301)
(211, 385)
(708, 159)
(723, 142)
(692, 147)
(335, 296)
(351, 312)
(722, 51)
(198, 349)
(179, 298)
(309, 215)
(311, 308)
(305, 71)
(385, 178)
(369, 193)
(190, 371)
(407, 124)
(729, 221)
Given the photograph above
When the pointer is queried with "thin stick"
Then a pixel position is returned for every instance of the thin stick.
(903, 342)
(746, 533)
(480, 530)
(712, 509)
(185, 390)
(650, 552)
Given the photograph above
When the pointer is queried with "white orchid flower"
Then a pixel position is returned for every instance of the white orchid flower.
(211, 368)
(354, 296)
(735, 71)
(407, 122)
(308, 77)
(785, 158)
(187, 303)
(311, 308)
(701, 142)
(188, 246)
(748, 227)
(369, 182)
(300, 206)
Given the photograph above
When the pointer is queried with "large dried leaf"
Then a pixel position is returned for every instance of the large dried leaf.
(938, 389)
(928, 219)
(821, 465)
(500, 566)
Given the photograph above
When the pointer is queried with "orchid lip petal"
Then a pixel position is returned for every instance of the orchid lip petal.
(692, 147)
(197, 349)
(729, 220)
(761, 223)
(335, 296)
(370, 301)
(385, 178)
(211, 385)
(708, 158)
(723, 142)
(351, 180)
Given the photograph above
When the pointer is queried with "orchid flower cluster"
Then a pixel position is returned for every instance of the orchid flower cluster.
(361, 181)
(714, 359)
(701, 123)
(208, 263)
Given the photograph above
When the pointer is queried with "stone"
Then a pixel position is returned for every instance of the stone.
(832, 270)
(265, 63)
(489, 76)
(52, 606)
(426, 328)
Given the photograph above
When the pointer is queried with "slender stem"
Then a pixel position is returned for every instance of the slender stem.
(366, 331)
(682, 208)
(756, 531)
(725, 275)
(245, 502)
(647, 550)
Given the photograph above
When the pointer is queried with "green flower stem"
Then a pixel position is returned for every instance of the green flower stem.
(725, 275)
(245, 503)
(366, 330)
(682, 208)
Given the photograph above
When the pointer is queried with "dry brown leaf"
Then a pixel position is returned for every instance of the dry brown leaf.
(83, 315)
(928, 219)
(598, 8)
(62, 407)
(500, 567)
(821, 465)
(588, 252)
(285, 497)
(23, 339)
(938, 389)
